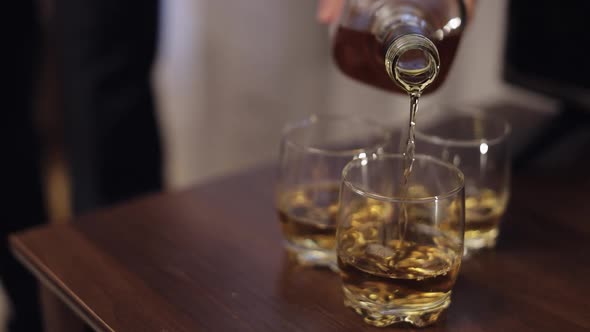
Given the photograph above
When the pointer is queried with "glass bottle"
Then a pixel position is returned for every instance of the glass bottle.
(410, 42)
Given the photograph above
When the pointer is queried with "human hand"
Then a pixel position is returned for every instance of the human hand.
(328, 10)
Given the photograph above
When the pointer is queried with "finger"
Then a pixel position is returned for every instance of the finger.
(328, 10)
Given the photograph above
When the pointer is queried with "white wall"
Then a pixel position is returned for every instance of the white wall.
(223, 101)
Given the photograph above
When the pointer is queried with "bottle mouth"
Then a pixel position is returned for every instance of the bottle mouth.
(412, 61)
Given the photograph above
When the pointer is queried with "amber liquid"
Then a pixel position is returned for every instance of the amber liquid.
(483, 213)
(360, 55)
(308, 215)
(408, 165)
(422, 274)
(394, 275)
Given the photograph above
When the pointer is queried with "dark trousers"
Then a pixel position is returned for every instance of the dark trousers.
(20, 167)
(105, 51)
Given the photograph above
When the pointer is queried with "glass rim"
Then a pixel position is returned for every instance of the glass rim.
(367, 193)
(474, 142)
(315, 118)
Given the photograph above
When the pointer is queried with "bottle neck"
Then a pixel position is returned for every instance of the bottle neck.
(412, 61)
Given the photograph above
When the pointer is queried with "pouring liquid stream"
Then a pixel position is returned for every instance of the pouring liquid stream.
(413, 71)
(408, 163)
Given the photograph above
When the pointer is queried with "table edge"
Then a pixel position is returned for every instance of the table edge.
(51, 282)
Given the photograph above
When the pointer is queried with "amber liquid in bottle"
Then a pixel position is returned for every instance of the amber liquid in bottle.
(360, 55)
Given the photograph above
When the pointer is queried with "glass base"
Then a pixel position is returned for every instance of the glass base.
(312, 257)
(383, 315)
(485, 240)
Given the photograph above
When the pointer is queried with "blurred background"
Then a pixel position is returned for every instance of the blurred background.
(222, 102)
(228, 75)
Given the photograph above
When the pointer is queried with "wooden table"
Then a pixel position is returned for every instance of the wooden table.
(210, 259)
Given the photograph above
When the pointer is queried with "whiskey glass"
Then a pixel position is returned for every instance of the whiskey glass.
(313, 153)
(400, 244)
(477, 144)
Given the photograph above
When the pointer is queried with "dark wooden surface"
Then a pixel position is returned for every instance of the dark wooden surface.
(210, 259)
